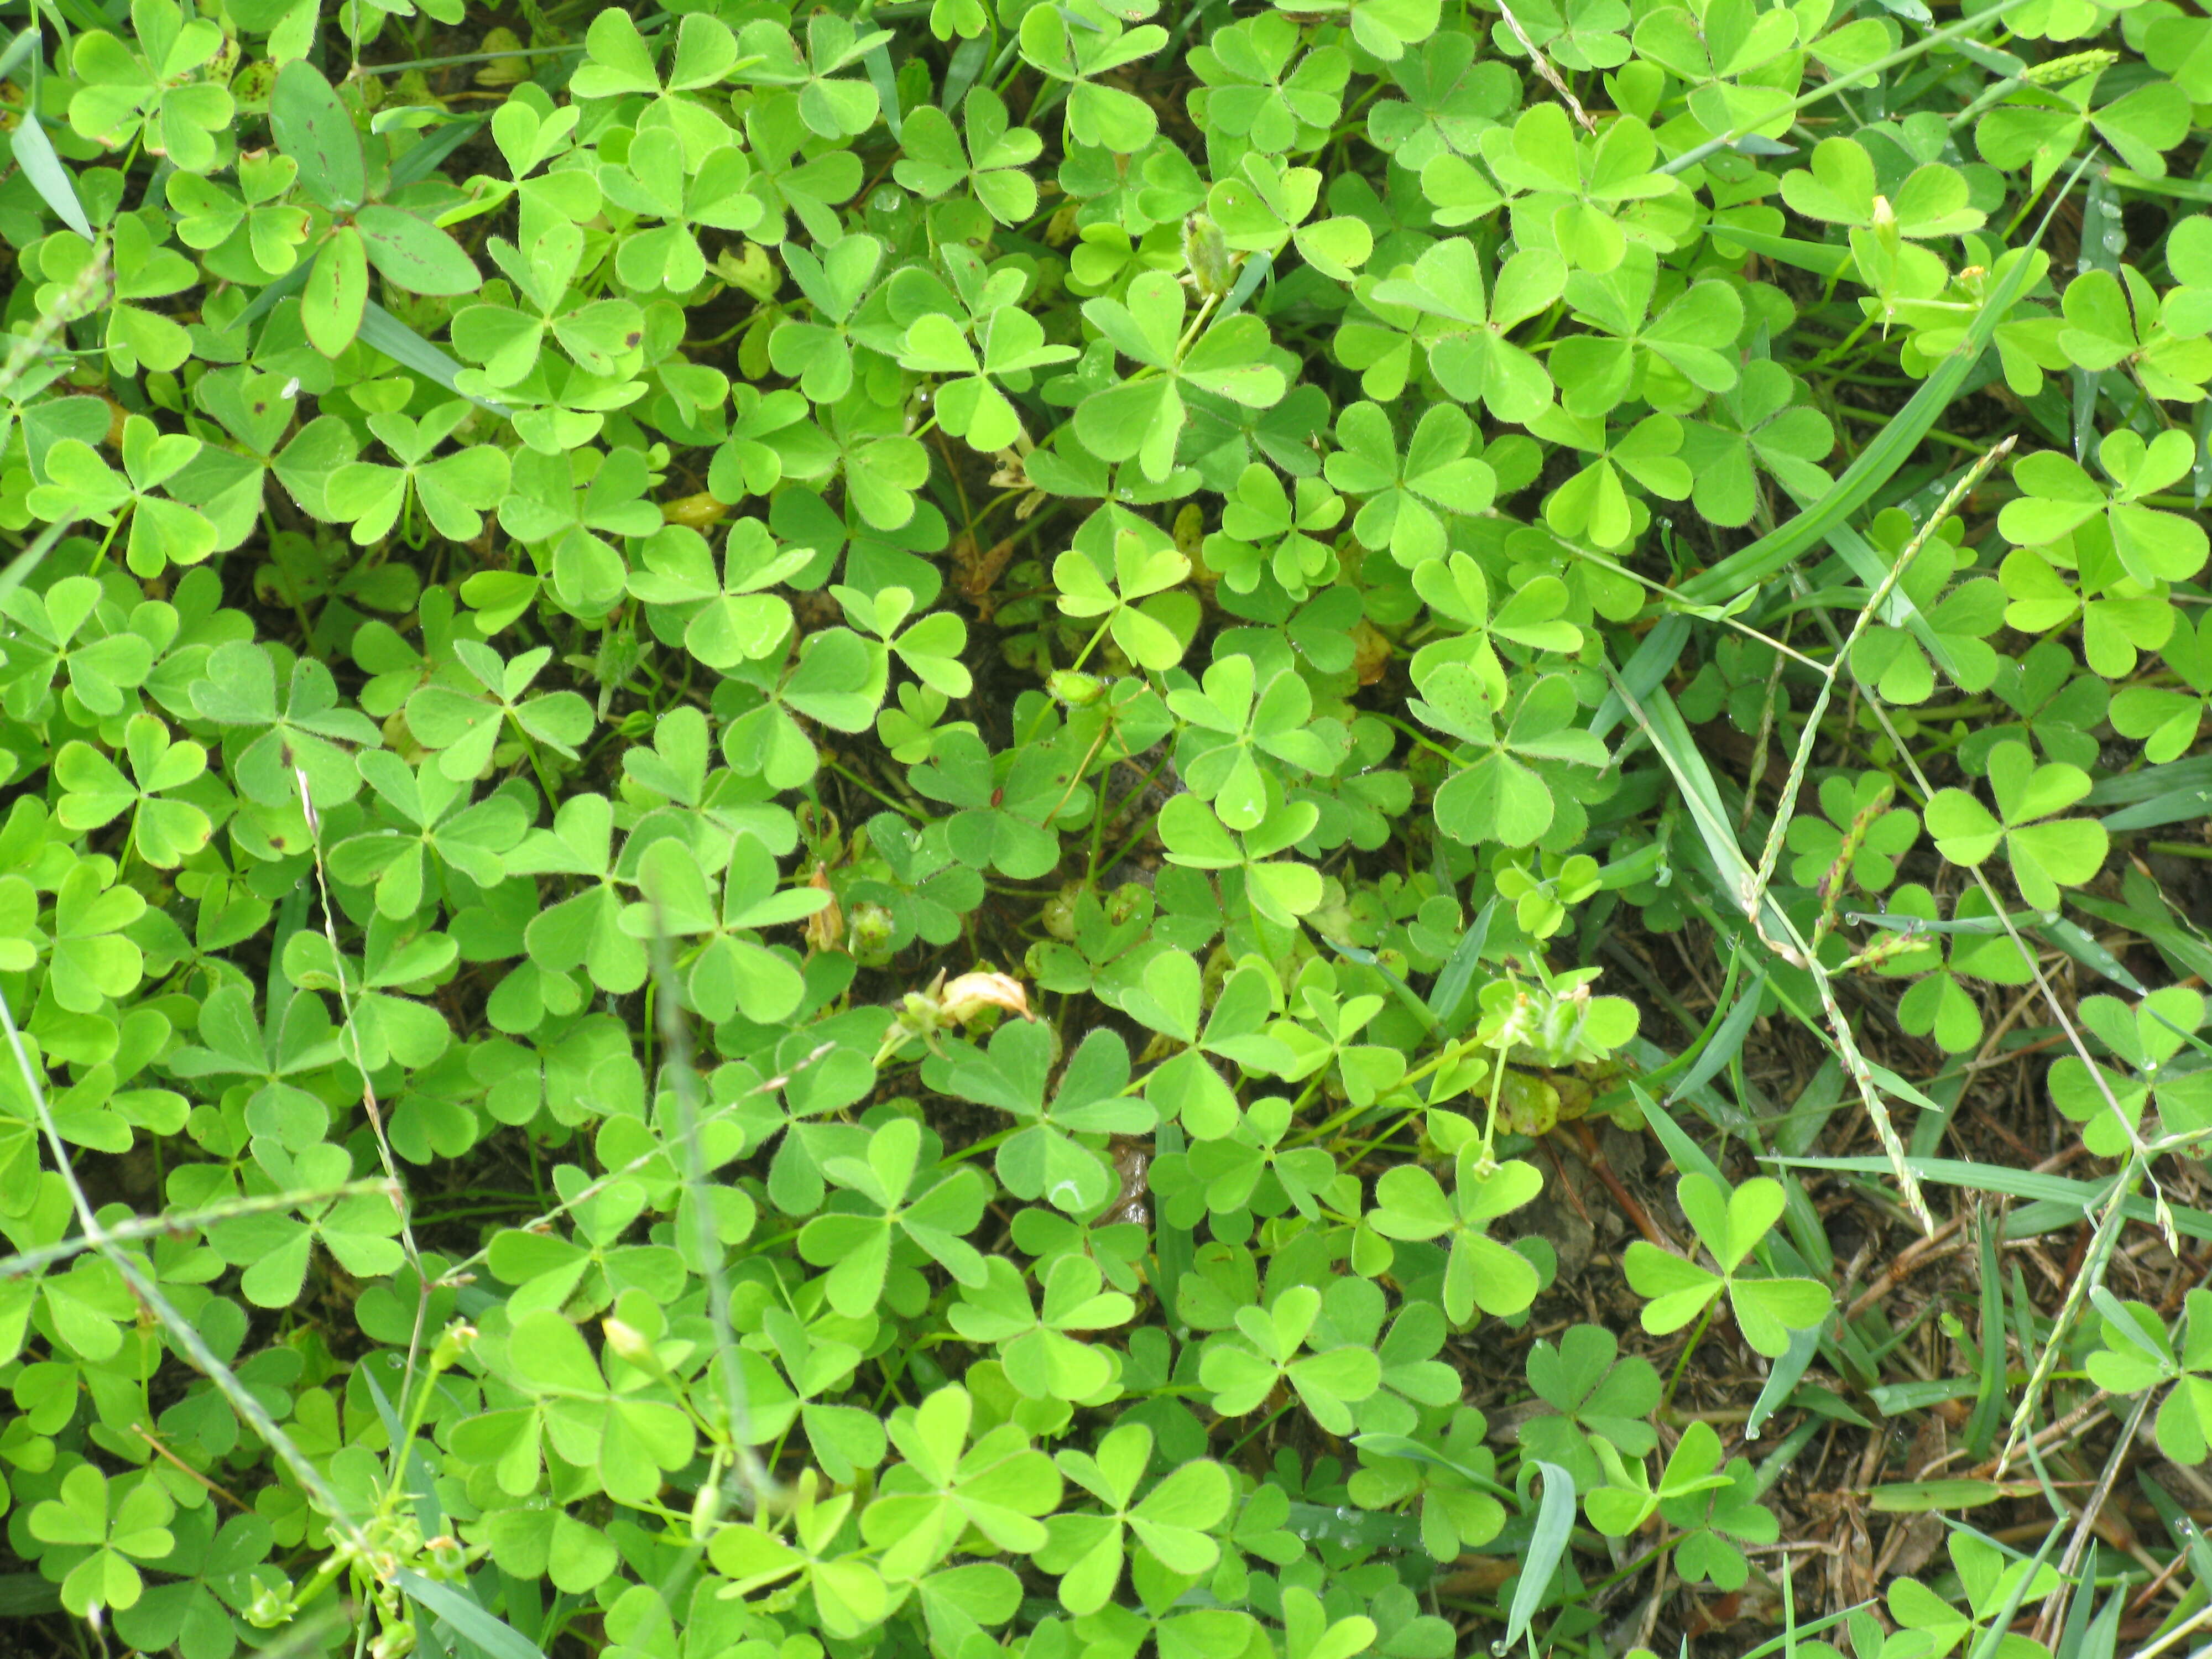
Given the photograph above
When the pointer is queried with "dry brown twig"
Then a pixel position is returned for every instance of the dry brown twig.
(1928, 1247)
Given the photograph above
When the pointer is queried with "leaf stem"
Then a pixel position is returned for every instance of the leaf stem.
(464, 57)
(1682, 1362)
(1090, 644)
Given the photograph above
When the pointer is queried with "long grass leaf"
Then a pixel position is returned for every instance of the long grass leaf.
(34, 154)
(1555, 1522)
(1417, 1451)
(1896, 608)
(1746, 896)
(2180, 190)
(2078, 1197)
(2086, 951)
(2153, 783)
(697, 1210)
(2096, 1638)
(1989, 1384)
(292, 281)
(1891, 446)
(1996, 1636)
(498, 1638)
(384, 332)
(876, 60)
(422, 162)
(19, 569)
(1727, 1041)
(1782, 1382)
(2183, 805)
(1687, 1155)
(2174, 937)
(1177, 1247)
(26, 1595)
(1827, 259)
(18, 49)
(1350, 1529)
(1451, 985)
(1677, 748)
(1644, 671)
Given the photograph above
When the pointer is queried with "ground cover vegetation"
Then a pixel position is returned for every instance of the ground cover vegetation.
(1082, 827)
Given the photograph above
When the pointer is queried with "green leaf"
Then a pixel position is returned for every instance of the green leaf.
(34, 154)
(313, 126)
(337, 294)
(2046, 855)
(414, 253)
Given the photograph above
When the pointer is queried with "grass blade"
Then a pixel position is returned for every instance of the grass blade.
(422, 162)
(876, 60)
(707, 1250)
(19, 569)
(1727, 1041)
(17, 50)
(1824, 260)
(385, 332)
(1177, 1246)
(1896, 608)
(498, 1638)
(1748, 896)
(1555, 1522)
(1891, 446)
(1644, 672)
(2173, 935)
(1376, 1529)
(1688, 1156)
(2078, 1197)
(1451, 985)
(282, 289)
(1989, 1390)
(34, 154)
(1782, 1382)
(26, 1595)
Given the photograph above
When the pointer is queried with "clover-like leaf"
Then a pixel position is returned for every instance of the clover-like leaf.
(2045, 852)
(1730, 1225)
(1481, 1273)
